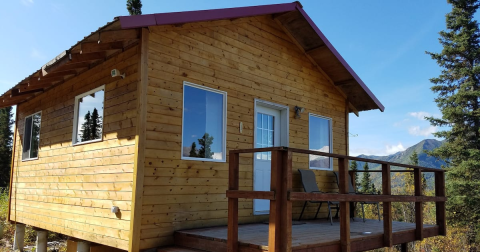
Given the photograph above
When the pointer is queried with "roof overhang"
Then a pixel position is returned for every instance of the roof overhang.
(290, 16)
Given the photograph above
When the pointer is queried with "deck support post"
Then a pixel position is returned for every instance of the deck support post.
(280, 222)
(83, 246)
(404, 247)
(344, 206)
(440, 206)
(233, 184)
(18, 240)
(417, 176)
(387, 206)
(41, 242)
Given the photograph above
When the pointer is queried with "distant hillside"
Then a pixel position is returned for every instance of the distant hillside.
(403, 157)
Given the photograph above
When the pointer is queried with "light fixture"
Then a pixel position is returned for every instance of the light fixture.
(116, 73)
(298, 111)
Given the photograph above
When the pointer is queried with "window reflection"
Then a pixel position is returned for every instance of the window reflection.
(31, 136)
(203, 123)
(320, 140)
(90, 117)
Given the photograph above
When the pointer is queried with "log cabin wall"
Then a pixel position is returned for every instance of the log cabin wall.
(248, 58)
(70, 189)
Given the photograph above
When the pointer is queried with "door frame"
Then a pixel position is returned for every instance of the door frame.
(284, 133)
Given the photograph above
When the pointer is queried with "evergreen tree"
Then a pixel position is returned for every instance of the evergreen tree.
(134, 7)
(6, 141)
(353, 167)
(86, 131)
(96, 125)
(458, 90)
(193, 150)
(205, 149)
(366, 184)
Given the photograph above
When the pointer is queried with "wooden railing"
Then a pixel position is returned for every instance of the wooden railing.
(281, 198)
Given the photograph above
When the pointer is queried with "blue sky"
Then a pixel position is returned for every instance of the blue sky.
(383, 41)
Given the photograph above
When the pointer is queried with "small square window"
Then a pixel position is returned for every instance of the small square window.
(204, 123)
(31, 136)
(320, 139)
(88, 116)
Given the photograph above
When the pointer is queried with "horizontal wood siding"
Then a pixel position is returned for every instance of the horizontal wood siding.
(248, 58)
(70, 189)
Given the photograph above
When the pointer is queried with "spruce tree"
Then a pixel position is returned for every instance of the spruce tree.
(366, 184)
(193, 150)
(86, 131)
(6, 141)
(96, 125)
(458, 92)
(205, 149)
(353, 167)
(134, 7)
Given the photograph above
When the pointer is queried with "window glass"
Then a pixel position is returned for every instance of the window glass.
(320, 134)
(203, 123)
(31, 136)
(265, 132)
(89, 121)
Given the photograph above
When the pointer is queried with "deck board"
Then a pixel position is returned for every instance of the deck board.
(307, 234)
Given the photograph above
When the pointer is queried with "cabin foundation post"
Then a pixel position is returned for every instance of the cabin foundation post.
(19, 236)
(41, 242)
(404, 247)
(83, 246)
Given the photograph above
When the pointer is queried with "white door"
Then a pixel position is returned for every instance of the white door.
(268, 134)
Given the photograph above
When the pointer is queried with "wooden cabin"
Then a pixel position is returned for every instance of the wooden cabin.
(124, 138)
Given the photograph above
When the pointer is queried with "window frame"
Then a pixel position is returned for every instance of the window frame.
(31, 132)
(224, 120)
(330, 123)
(75, 116)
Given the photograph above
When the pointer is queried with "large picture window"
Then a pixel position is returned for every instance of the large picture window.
(204, 123)
(320, 139)
(88, 116)
(31, 136)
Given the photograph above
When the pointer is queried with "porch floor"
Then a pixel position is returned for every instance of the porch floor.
(311, 235)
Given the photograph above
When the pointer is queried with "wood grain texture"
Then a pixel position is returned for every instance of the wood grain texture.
(248, 58)
(70, 189)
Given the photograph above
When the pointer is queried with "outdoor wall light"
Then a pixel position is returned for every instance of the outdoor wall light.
(298, 111)
(116, 73)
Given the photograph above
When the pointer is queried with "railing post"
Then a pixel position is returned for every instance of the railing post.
(387, 206)
(280, 222)
(344, 206)
(440, 206)
(417, 176)
(233, 184)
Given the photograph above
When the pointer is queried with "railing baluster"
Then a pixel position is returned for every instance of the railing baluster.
(233, 184)
(387, 206)
(418, 204)
(344, 206)
(440, 206)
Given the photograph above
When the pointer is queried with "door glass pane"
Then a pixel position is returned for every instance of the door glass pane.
(265, 133)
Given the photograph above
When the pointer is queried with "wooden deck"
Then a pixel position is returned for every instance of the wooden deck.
(308, 235)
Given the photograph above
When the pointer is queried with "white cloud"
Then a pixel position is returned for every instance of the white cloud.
(27, 3)
(36, 54)
(420, 115)
(392, 149)
(422, 131)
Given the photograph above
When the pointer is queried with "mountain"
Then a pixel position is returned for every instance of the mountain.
(403, 157)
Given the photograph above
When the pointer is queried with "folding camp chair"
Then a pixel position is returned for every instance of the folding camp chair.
(352, 190)
(310, 186)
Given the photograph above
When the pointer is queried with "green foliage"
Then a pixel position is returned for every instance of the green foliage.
(366, 185)
(91, 127)
(193, 150)
(205, 150)
(134, 7)
(458, 92)
(353, 167)
(6, 140)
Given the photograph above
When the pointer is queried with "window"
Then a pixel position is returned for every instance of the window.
(320, 139)
(88, 116)
(31, 136)
(204, 123)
